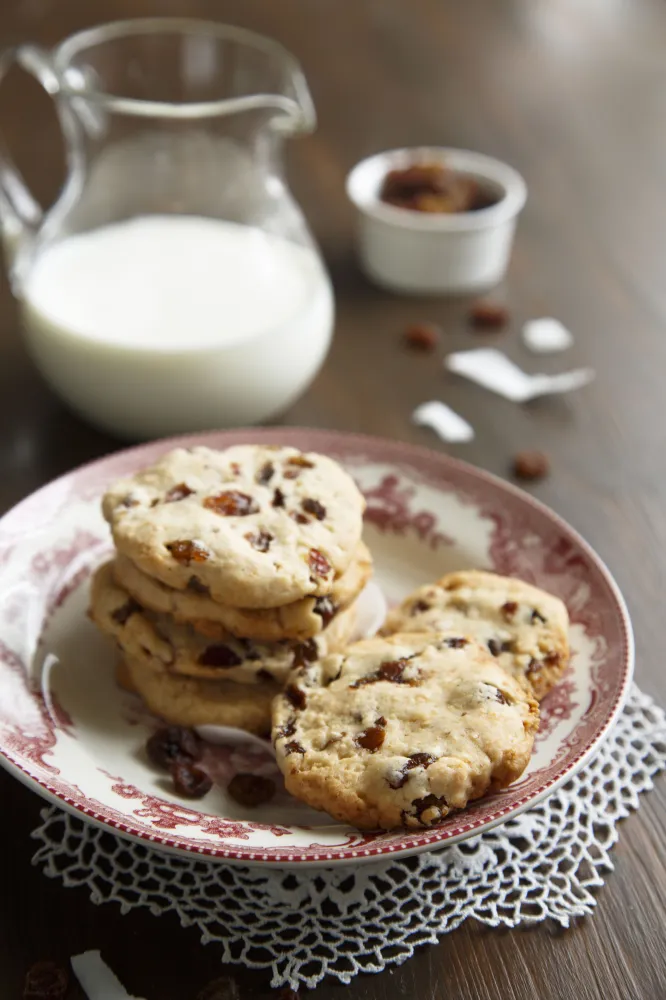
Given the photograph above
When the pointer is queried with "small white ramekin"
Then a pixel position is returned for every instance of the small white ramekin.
(432, 253)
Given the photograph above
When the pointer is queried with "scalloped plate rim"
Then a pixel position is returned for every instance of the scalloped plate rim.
(388, 451)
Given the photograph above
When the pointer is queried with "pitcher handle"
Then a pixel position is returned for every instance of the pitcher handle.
(20, 213)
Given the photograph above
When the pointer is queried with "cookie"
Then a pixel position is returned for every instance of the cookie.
(191, 701)
(400, 731)
(258, 527)
(525, 628)
(299, 620)
(155, 641)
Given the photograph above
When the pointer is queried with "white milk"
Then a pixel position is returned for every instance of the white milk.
(175, 323)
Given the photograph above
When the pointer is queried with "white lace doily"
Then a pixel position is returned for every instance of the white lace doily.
(303, 926)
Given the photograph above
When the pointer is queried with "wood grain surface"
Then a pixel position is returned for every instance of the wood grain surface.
(573, 93)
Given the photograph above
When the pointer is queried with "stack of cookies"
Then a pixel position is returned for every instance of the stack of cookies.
(232, 598)
(231, 568)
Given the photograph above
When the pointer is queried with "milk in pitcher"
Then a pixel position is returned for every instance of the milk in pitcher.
(226, 322)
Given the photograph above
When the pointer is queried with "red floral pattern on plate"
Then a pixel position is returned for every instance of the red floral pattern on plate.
(389, 509)
(170, 815)
(526, 540)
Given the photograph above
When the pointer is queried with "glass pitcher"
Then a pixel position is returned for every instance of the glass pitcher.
(174, 286)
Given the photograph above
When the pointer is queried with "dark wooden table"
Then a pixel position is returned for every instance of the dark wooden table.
(571, 93)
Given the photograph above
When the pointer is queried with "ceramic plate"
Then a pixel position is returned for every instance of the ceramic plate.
(68, 732)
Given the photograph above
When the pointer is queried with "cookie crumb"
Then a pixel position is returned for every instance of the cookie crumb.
(531, 465)
(422, 336)
(485, 315)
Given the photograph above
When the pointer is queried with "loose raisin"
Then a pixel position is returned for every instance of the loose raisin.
(231, 503)
(179, 492)
(488, 315)
(318, 563)
(187, 551)
(531, 465)
(219, 655)
(45, 981)
(372, 738)
(251, 789)
(259, 540)
(509, 609)
(266, 473)
(295, 696)
(314, 507)
(129, 608)
(190, 780)
(173, 743)
(278, 498)
(326, 609)
(422, 336)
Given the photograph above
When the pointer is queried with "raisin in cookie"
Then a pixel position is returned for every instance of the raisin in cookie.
(524, 627)
(402, 730)
(191, 701)
(299, 620)
(259, 527)
(157, 641)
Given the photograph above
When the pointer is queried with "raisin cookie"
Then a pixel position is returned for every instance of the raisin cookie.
(524, 627)
(154, 640)
(191, 701)
(259, 527)
(399, 731)
(299, 620)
